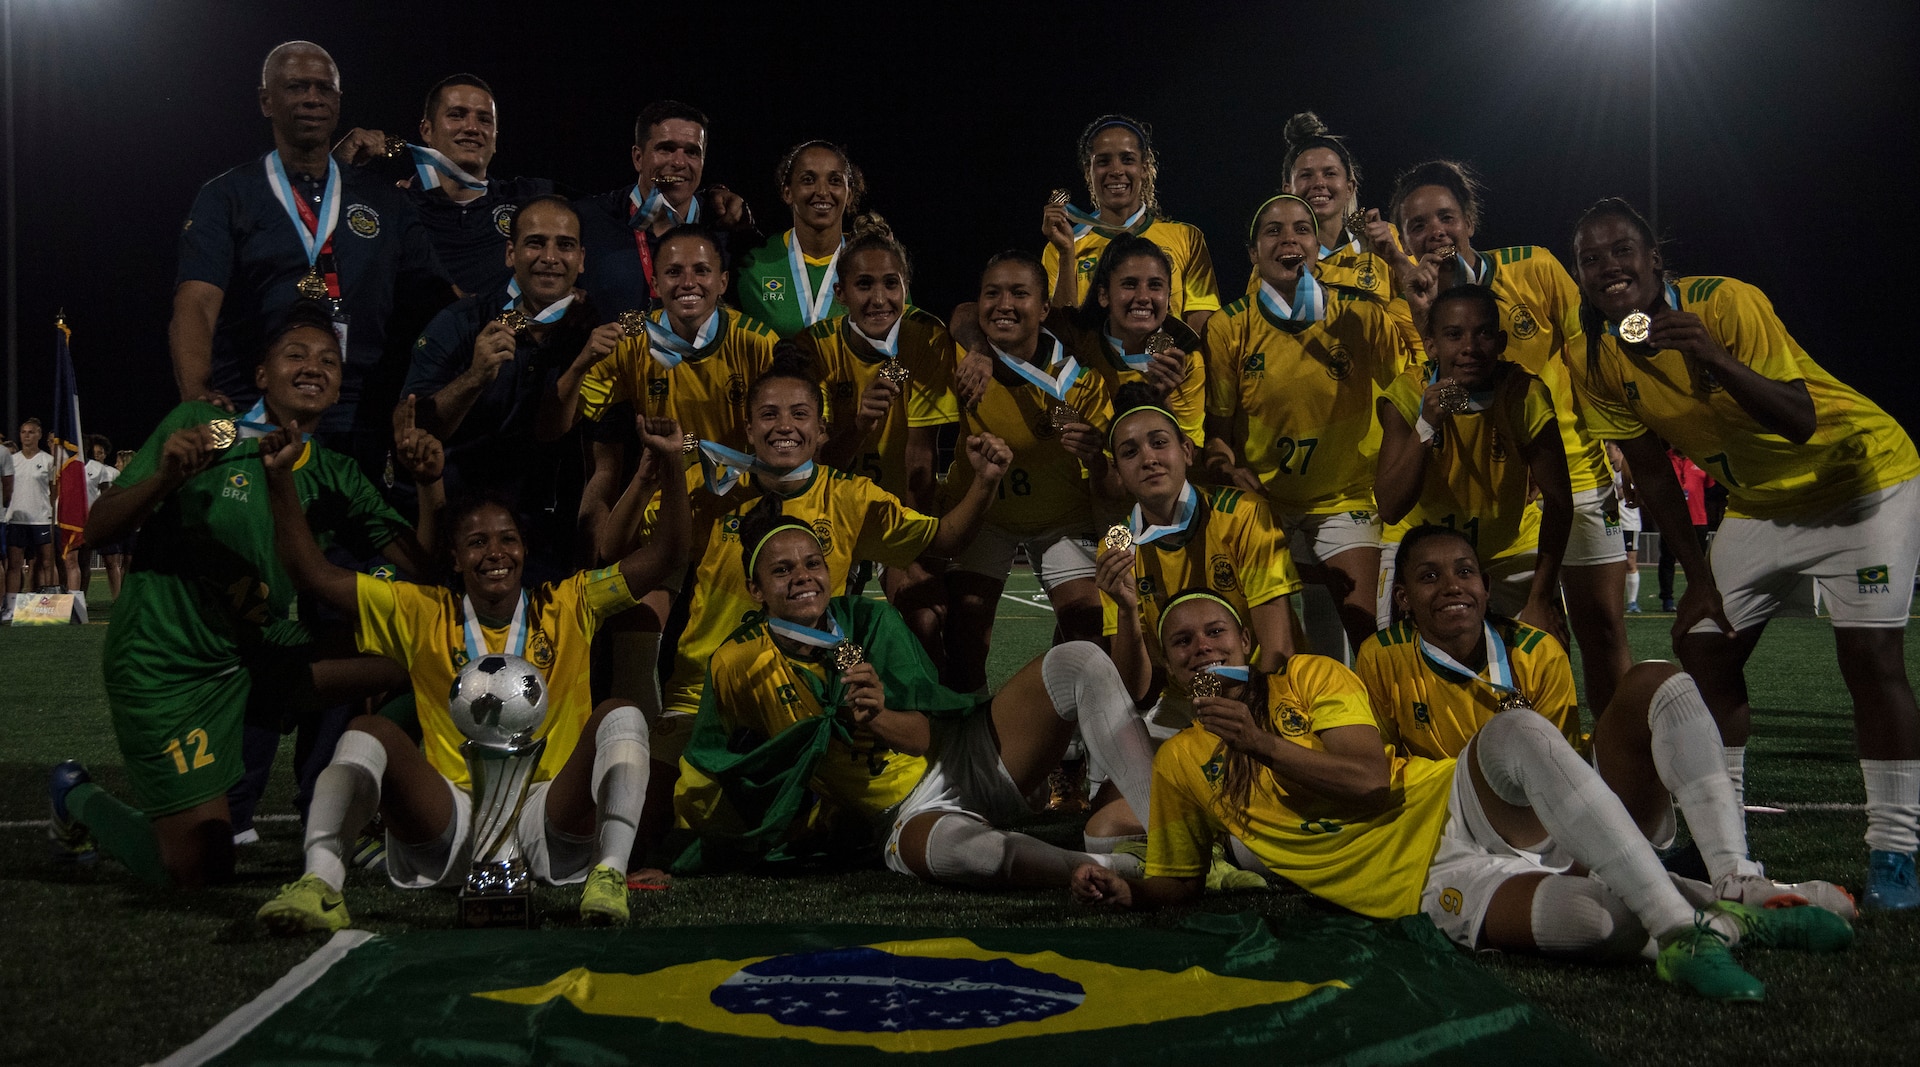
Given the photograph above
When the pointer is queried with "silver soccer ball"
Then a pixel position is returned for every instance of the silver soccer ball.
(498, 700)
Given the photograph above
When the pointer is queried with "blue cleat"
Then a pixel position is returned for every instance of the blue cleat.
(67, 838)
(1890, 882)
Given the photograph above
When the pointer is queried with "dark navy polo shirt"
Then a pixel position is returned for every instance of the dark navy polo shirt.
(470, 239)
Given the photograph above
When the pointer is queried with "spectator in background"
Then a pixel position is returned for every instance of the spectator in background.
(30, 562)
(1694, 483)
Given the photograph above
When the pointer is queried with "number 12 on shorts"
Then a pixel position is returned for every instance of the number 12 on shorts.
(201, 758)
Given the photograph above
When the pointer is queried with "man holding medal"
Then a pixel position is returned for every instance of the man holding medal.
(295, 225)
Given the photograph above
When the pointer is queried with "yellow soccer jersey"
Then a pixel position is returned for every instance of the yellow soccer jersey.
(1372, 864)
(706, 392)
(758, 688)
(845, 372)
(1046, 487)
(1234, 550)
(1188, 400)
(1477, 479)
(853, 518)
(1350, 268)
(421, 627)
(1193, 287)
(1301, 397)
(1856, 448)
(1423, 712)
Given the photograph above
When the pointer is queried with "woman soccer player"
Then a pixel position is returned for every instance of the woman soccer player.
(1122, 170)
(208, 611)
(788, 283)
(1043, 404)
(1462, 443)
(1320, 168)
(1292, 373)
(1439, 676)
(1820, 484)
(580, 817)
(1437, 207)
(1292, 765)
(931, 772)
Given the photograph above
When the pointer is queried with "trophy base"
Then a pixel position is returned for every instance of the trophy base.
(497, 895)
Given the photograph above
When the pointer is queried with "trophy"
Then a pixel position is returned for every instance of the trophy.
(498, 701)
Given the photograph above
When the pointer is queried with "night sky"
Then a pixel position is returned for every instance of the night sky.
(1786, 131)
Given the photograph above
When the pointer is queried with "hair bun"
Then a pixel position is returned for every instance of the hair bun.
(872, 224)
(1303, 127)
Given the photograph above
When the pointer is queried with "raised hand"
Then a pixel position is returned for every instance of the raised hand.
(866, 698)
(360, 146)
(279, 450)
(600, 343)
(418, 451)
(188, 451)
(662, 437)
(875, 402)
(971, 376)
(989, 456)
(1113, 574)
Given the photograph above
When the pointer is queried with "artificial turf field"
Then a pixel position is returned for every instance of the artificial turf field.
(96, 969)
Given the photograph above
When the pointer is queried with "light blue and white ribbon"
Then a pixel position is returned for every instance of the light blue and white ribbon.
(328, 216)
(725, 468)
(254, 423)
(807, 635)
(549, 314)
(430, 163)
(1309, 303)
(1673, 303)
(648, 207)
(1062, 369)
(669, 349)
(1085, 223)
(1243, 675)
(1135, 361)
(1499, 675)
(813, 306)
(1182, 518)
(477, 639)
(889, 346)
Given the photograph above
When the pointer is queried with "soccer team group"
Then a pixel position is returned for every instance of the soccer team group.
(1315, 553)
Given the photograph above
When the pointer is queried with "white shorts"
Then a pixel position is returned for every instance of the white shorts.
(964, 775)
(1314, 539)
(1059, 555)
(1595, 537)
(1472, 862)
(1862, 555)
(553, 859)
(1509, 581)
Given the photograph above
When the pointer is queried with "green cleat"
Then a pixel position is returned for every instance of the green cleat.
(1807, 928)
(305, 907)
(1698, 959)
(1223, 876)
(604, 901)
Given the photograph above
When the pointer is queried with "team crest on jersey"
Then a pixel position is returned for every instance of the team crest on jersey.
(774, 289)
(1145, 585)
(503, 218)
(1875, 579)
(823, 532)
(1421, 717)
(459, 658)
(236, 487)
(1214, 769)
(1367, 278)
(657, 387)
(1523, 323)
(788, 694)
(737, 389)
(1499, 448)
(1087, 264)
(1293, 721)
(1224, 579)
(1360, 516)
(1339, 364)
(540, 650)
(843, 390)
(363, 220)
(1708, 382)
(1254, 366)
(386, 572)
(730, 526)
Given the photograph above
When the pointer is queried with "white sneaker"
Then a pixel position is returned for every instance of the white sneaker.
(1759, 891)
(248, 836)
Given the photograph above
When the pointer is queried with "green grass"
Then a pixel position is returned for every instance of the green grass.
(98, 970)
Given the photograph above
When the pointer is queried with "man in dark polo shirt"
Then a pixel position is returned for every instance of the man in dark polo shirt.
(479, 381)
(295, 223)
(622, 228)
(466, 211)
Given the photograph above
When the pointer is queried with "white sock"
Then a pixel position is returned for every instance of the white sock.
(1893, 803)
(345, 796)
(1735, 757)
(1103, 846)
(1581, 917)
(965, 850)
(1527, 762)
(621, 766)
(1086, 688)
(1633, 581)
(1684, 739)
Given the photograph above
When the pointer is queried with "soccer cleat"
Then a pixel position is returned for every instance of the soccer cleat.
(1698, 959)
(1890, 881)
(1633, 607)
(1759, 891)
(1223, 876)
(1807, 929)
(305, 907)
(604, 901)
(67, 837)
(1666, 604)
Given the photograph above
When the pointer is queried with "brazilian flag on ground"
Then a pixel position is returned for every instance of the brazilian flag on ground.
(1222, 989)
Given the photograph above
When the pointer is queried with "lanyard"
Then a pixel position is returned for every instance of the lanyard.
(1309, 302)
(1182, 518)
(640, 213)
(477, 640)
(550, 314)
(807, 635)
(1138, 362)
(428, 162)
(669, 349)
(254, 423)
(813, 306)
(890, 347)
(1499, 675)
(1085, 223)
(314, 230)
(726, 467)
(1055, 384)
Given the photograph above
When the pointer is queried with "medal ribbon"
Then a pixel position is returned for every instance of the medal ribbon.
(1232, 674)
(890, 347)
(1475, 271)
(428, 161)
(1499, 675)
(1673, 302)
(726, 467)
(1055, 383)
(807, 635)
(1309, 302)
(668, 348)
(813, 306)
(648, 208)
(550, 314)
(1138, 362)
(316, 231)
(1182, 518)
(1085, 223)
(477, 640)
(254, 423)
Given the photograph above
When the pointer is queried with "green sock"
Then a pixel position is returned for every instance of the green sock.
(119, 831)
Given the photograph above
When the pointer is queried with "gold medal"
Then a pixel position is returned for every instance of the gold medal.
(514, 319)
(312, 285)
(1159, 341)
(1453, 397)
(1064, 416)
(847, 655)
(1635, 327)
(1512, 700)
(895, 371)
(1059, 198)
(1357, 226)
(222, 433)
(395, 146)
(1205, 684)
(632, 323)
(688, 444)
(1119, 537)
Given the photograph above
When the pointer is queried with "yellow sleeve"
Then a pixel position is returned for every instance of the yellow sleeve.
(1050, 259)
(608, 382)
(1223, 349)
(1742, 318)
(1188, 402)
(1608, 418)
(604, 592)
(1536, 413)
(1559, 287)
(387, 617)
(1335, 695)
(1266, 566)
(1409, 390)
(1180, 841)
(1549, 685)
(893, 533)
(1202, 291)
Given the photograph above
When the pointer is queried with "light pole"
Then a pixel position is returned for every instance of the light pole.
(13, 261)
(1653, 115)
